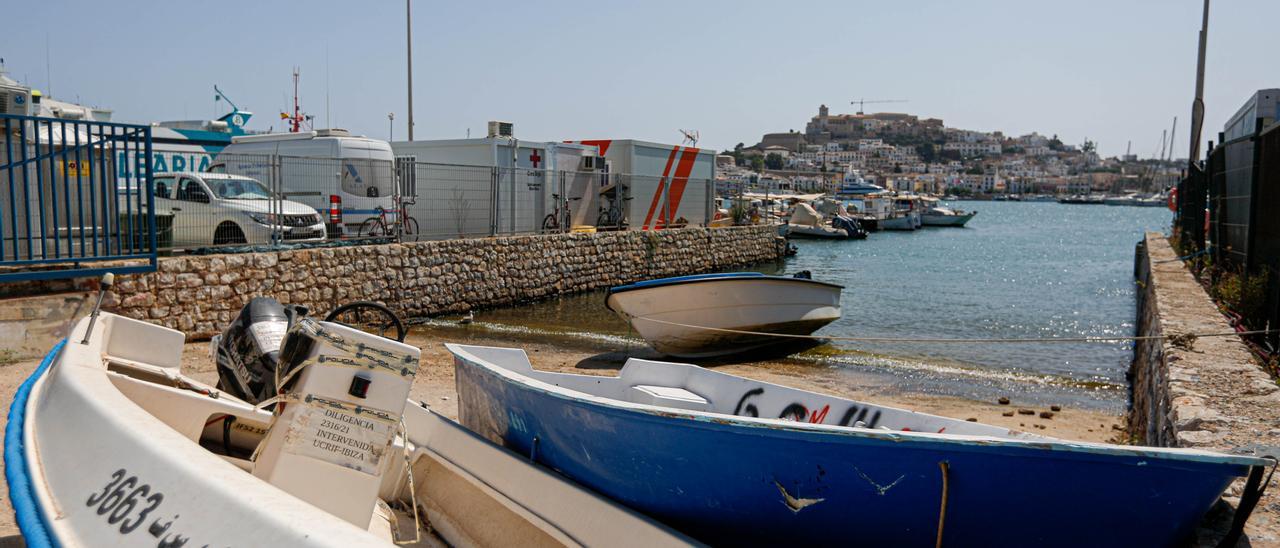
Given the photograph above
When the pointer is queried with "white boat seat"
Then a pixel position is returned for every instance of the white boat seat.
(668, 396)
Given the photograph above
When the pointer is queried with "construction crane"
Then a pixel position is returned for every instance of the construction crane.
(690, 137)
(861, 102)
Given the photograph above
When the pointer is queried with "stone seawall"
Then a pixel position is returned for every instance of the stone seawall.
(200, 294)
(1206, 393)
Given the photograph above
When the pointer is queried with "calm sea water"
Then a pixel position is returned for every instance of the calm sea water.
(1018, 270)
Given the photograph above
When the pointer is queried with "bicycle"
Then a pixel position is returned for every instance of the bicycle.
(403, 225)
(553, 220)
(611, 215)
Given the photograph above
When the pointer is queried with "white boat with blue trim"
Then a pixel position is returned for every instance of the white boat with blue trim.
(109, 443)
(720, 314)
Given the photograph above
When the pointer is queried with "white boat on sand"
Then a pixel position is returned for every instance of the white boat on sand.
(720, 314)
(110, 444)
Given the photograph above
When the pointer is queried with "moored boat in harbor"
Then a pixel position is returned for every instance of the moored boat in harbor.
(720, 314)
(936, 215)
(735, 461)
(806, 222)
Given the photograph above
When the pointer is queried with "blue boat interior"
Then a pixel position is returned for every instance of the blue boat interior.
(691, 388)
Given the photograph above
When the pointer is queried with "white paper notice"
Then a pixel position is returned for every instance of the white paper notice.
(340, 433)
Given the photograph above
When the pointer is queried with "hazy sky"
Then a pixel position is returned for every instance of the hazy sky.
(1107, 70)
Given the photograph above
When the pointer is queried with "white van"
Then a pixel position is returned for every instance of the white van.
(347, 178)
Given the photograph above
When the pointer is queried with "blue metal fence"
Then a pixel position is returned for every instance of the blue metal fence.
(72, 200)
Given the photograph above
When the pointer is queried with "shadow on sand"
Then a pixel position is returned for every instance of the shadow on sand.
(614, 360)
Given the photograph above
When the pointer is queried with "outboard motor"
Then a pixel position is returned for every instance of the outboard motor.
(850, 226)
(248, 351)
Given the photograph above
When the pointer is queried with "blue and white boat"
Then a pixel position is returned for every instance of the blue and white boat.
(720, 314)
(854, 185)
(732, 461)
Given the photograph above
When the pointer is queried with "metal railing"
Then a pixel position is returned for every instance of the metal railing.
(77, 193)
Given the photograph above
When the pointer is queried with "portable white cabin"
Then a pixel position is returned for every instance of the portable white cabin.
(525, 195)
(666, 182)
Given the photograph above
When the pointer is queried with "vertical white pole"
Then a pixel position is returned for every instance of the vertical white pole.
(408, 33)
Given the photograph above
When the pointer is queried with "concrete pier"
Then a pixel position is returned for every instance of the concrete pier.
(1207, 393)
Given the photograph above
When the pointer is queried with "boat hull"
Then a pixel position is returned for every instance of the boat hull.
(817, 232)
(728, 483)
(946, 220)
(761, 304)
(898, 223)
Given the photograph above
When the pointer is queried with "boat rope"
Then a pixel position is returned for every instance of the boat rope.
(942, 511)
(413, 491)
(1182, 336)
(1254, 487)
(1185, 257)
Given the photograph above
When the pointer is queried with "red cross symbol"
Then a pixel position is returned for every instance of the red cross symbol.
(533, 157)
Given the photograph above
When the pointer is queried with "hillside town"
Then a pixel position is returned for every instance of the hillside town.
(904, 152)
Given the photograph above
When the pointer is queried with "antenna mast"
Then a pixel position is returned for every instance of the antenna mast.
(298, 117)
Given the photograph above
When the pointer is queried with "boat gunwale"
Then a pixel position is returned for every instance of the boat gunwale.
(68, 368)
(29, 514)
(704, 278)
(1169, 456)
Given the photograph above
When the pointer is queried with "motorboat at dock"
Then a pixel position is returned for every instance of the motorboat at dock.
(721, 314)
(734, 461)
(934, 214)
(1082, 199)
(806, 222)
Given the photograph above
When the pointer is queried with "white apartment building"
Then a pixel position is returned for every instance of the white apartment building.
(967, 136)
(966, 148)
(1032, 140)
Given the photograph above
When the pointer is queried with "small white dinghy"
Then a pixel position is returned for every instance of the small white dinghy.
(108, 443)
(720, 314)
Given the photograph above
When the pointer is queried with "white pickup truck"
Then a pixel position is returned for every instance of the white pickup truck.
(217, 208)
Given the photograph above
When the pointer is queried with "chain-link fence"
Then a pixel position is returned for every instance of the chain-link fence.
(269, 200)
